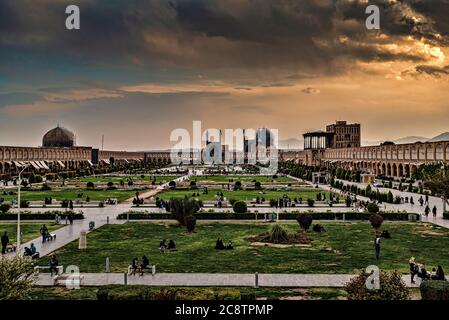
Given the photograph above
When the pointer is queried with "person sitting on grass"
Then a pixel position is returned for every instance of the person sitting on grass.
(134, 266)
(219, 245)
(229, 246)
(162, 246)
(171, 245)
(144, 265)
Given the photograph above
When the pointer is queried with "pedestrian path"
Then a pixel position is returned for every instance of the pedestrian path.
(216, 279)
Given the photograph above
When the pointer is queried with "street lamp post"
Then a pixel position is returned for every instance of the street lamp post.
(18, 209)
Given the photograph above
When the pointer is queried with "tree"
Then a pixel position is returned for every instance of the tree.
(17, 278)
(278, 234)
(305, 221)
(390, 198)
(240, 207)
(190, 222)
(182, 208)
(438, 182)
(258, 185)
(391, 287)
(172, 184)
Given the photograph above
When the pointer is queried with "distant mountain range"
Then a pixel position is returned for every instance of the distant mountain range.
(411, 139)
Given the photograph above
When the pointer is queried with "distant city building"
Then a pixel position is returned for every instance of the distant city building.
(344, 135)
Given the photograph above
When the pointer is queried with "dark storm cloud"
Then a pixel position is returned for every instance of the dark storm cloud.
(18, 98)
(433, 70)
(276, 36)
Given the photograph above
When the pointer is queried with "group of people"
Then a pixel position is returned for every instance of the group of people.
(427, 211)
(31, 252)
(419, 270)
(164, 246)
(219, 245)
(140, 267)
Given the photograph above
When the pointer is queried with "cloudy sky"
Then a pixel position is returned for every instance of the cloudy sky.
(138, 69)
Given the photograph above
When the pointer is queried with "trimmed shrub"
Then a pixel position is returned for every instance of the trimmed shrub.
(4, 207)
(434, 290)
(392, 287)
(305, 221)
(240, 207)
(310, 202)
(90, 185)
(372, 207)
(376, 221)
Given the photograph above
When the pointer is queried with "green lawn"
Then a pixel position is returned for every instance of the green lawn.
(72, 194)
(344, 248)
(241, 178)
(116, 179)
(30, 230)
(246, 195)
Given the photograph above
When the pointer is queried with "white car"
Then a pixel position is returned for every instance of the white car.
(378, 184)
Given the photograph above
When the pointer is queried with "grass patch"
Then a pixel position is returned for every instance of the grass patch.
(30, 230)
(245, 195)
(241, 178)
(344, 248)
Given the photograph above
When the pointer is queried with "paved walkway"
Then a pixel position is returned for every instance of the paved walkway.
(217, 279)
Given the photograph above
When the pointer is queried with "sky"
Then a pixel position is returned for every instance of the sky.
(138, 69)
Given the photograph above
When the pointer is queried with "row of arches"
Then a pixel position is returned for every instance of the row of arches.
(390, 169)
(436, 151)
(43, 154)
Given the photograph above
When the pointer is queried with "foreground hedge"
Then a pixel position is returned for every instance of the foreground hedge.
(121, 292)
(434, 290)
(363, 216)
(49, 215)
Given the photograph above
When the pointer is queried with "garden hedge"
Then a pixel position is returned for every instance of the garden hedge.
(50, 215)
(434, 290)
(394, 216)
(121, 292)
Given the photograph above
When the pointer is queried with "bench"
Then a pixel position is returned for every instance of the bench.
(10, 248)
(150, 268)
(68, 279)
(38, 268)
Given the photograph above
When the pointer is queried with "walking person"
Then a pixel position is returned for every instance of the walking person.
(421, 201)
(434, 211)
(427, 211)
(44, 232)
(5, 241)
(377, 246)
(54, 265)
(70, 216)
(412, 202)
(427, 199)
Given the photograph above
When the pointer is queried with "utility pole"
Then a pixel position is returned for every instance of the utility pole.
(102, 142)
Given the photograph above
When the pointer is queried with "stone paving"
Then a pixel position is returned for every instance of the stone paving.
(216, 279)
